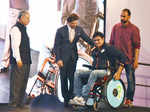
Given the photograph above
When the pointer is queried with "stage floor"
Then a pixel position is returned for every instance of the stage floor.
(4, 108)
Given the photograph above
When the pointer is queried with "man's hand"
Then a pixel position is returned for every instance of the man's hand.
(93, 48)
(135, 64)
(60, 63)
(19, 63)
(117, 76)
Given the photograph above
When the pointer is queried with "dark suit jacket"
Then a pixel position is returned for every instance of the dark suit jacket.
(63, 48)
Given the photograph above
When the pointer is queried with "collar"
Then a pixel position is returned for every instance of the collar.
(102, 49)
(21, 25)
(69, 28)
(129, 23)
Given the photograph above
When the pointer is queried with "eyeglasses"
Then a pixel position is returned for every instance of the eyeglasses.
(123, 16)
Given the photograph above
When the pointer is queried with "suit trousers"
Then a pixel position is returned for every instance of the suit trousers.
(67, 74)
(18, 83)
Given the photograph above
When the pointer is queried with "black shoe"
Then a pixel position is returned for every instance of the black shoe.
(66, 104)
(23, 106)
(3, 69)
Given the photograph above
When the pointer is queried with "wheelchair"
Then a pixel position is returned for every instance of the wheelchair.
(108, 91)
(49, 79)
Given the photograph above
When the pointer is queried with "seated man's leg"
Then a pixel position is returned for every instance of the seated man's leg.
(78, 84)
(93, 77)
(79, 75)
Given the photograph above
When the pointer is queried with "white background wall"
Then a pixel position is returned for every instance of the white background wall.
(3, 18)
(140, 16)
(45, 19)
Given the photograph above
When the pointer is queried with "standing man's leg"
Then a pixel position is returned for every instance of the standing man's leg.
(67, 73)
(64, 83)
(12, 96)
(130, 75)
(23, 83)
(18, 83)
(71, 70)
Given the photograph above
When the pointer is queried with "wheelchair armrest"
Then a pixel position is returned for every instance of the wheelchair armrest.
(87, 66)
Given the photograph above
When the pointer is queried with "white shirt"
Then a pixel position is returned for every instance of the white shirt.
(71, 33)
(15, 42)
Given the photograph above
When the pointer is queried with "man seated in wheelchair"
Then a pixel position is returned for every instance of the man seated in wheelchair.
(101, 54)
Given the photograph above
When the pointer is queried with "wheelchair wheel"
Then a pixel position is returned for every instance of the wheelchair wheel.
(96, 106)
(56, 85)
(114, 92)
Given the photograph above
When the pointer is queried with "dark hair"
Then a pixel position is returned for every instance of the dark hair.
(72, 17)
(128, 11)
(22, 13)
(98, 34)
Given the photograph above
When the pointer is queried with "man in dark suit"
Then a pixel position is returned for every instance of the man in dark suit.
(66, 53)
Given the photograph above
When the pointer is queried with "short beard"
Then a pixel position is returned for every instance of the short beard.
(123, 22)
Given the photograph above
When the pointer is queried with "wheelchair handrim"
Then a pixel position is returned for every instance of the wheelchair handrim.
(114, 93)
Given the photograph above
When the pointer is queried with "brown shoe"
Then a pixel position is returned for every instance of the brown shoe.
(18, 109)
(12, 105)
(128, 103)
